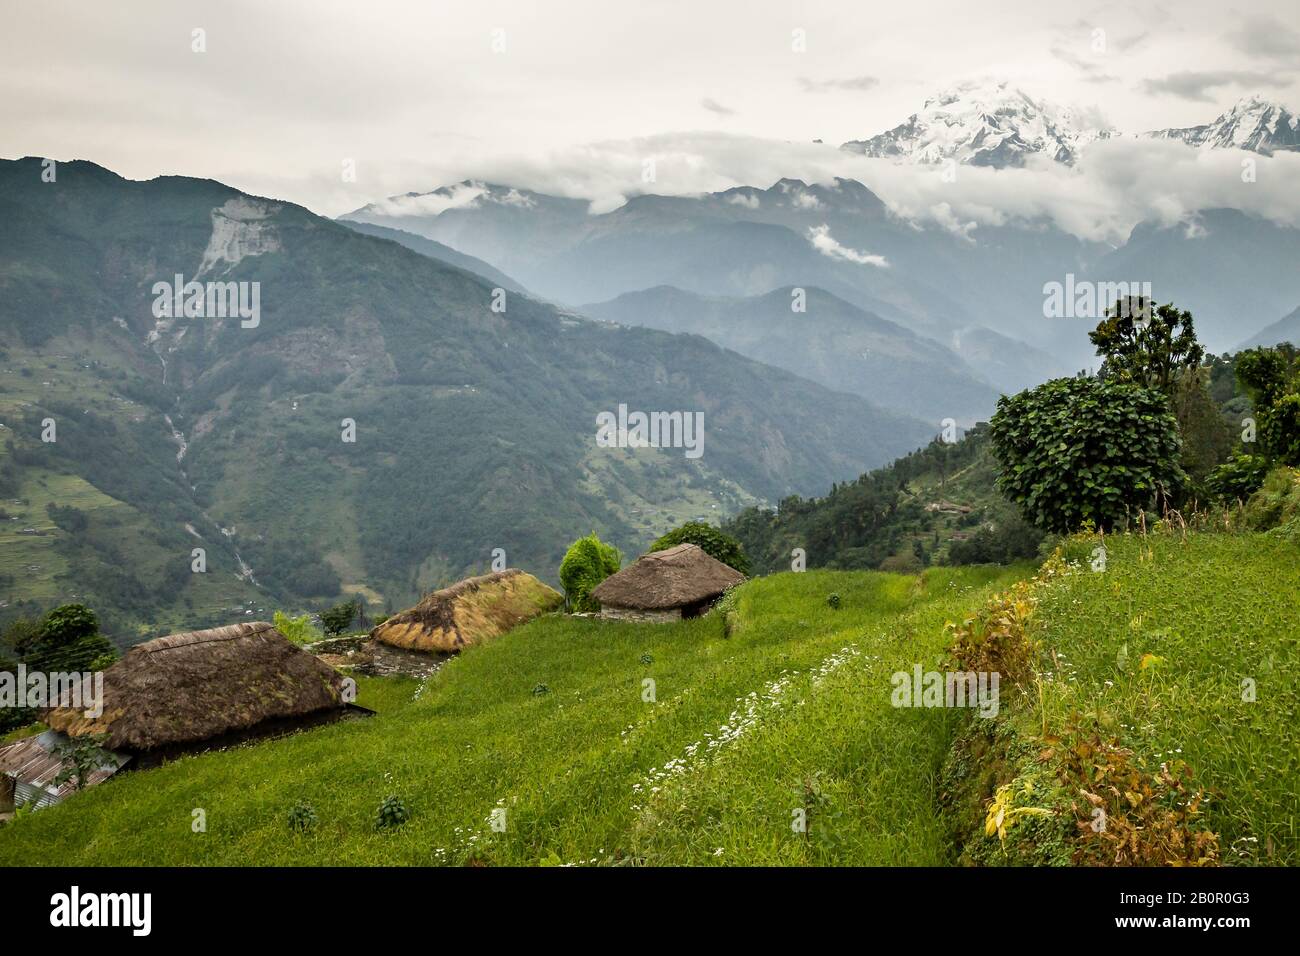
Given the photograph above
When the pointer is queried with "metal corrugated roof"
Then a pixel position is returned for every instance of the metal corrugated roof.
(34, 762)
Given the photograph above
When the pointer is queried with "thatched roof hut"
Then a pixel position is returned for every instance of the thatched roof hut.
(666, 585)
(200, 687)
(469, 612)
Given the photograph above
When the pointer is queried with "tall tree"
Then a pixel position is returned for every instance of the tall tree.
(1147, 346)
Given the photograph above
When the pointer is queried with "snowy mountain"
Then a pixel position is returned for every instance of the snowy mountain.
(1000, 126)
(1253, 123)
(984, 125)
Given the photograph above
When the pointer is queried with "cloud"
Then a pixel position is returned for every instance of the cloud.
(456, 196)
(1124, 44)
(1194, 85)
(1116, 184)
(462, 195)
(826, 244)
(1090, 68)
(852, 84)
(1267, 37)
(713, 106)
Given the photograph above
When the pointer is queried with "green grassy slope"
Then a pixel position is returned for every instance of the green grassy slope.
(1217, 610)
(565, 763)
(791, 711)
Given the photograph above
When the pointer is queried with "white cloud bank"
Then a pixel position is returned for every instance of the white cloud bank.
(1117, 183)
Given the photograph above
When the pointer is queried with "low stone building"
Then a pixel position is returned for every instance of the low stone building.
(665, 585)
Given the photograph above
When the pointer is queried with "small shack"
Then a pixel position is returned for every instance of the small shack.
(30, 769)
(666, 585)
(181, 694)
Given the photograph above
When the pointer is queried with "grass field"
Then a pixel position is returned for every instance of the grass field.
(548, 722)
(1219, 616)
(788, 716)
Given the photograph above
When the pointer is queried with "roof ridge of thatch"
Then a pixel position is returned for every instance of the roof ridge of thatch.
(227, 632)
(472, 584)
(669, 553)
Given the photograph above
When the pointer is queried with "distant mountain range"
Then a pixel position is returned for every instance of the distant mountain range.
(994, 125)
(1286, 329)
(474, 427)
(441, 252)
(1234, 271)
(829, 341)
(1000, 126)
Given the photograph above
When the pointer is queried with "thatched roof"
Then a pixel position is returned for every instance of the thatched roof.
(190, 687)
(469, 612)
(667, 579)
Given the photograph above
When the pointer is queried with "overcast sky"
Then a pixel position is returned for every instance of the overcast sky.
(416, 93)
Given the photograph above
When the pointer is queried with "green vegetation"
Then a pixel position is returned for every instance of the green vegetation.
(297, 629)
(83, 755)
(1084, 449)
(1147, 346)
(340, 617)
(713, 541)
(1238, 477)
(66, 640)
(1272, 378)
(587, 562)
(791, 712)
(1275, 507)
(574, 768)
(1175, 668)
(937, 505)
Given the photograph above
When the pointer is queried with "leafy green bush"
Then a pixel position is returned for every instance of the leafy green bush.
(68, 623)
(1075, 449)
(713, 541)
(299, 630)
(338, 618)
(1277, 502)
(1207, 437)
(587, 562)
(302, 817)
(1238, 478)
(104, 661)
(392, 814)
(1007, 538)
(66, 639)
(1272, 379)
(81, 756)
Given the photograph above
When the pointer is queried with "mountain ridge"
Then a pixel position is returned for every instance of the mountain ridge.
(1000, 126)
(471, 429)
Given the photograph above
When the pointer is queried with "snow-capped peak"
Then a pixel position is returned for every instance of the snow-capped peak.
(984, 125)
(1253, 123)
(1000, 125)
